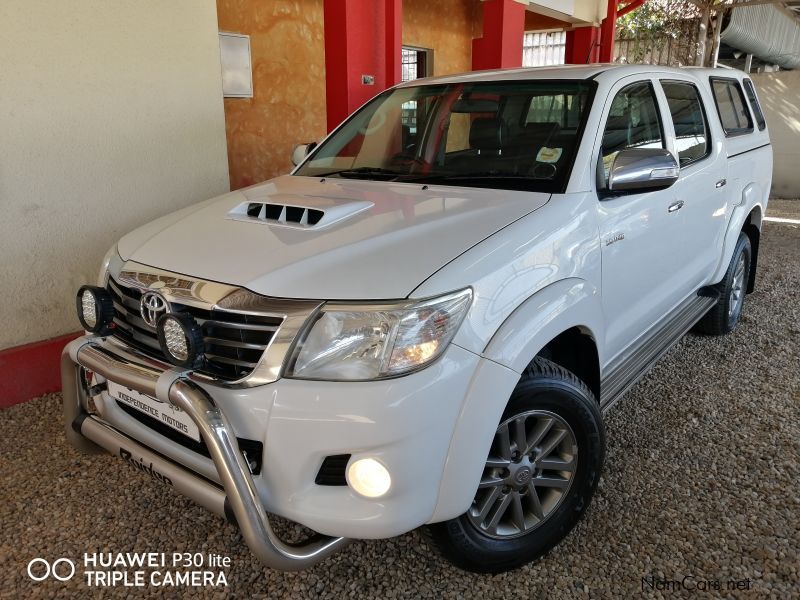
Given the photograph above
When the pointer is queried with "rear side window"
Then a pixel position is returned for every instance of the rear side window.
(754, 105)
(731, 106)
(688, 119)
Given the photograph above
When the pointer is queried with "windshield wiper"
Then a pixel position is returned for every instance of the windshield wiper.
(466, 176)
(362, 172)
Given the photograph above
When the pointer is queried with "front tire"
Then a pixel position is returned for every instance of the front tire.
(724, 316)
(543, 468)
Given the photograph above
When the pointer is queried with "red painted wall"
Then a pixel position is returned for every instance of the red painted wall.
(31, 370)
(360, 38)
(583, 46)
(503, 29)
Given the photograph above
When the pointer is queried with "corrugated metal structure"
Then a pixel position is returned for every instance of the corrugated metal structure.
(766, 32)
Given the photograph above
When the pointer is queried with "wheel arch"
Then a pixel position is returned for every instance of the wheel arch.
(564, 312)
(575, 349)
(747, 217)
(554, 322)
(752, 229)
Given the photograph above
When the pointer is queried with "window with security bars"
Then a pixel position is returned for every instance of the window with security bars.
(413, 63)
(544, 48)
(409, 64)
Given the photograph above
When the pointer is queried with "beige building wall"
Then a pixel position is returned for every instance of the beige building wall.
(287, 47)
(577, 13)
(779, 94)
(447, 27)
(111, 115)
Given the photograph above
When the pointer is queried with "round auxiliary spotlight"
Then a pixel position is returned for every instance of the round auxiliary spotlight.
(181, 340)
(95, 309)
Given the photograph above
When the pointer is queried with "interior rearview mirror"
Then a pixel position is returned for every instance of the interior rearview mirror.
(301, 151)
(642, 169)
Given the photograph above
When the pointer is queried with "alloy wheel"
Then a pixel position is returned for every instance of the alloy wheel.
(737, 288)
(527, 475)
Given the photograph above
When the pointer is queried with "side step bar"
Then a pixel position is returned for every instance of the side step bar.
(171, 386)
(636, 362)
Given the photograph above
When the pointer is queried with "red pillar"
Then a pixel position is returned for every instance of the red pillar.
(503, 30)
(607, 32)
(583, 46)
(362, 41)
(394, 42)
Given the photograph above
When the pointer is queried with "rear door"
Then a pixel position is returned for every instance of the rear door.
(702, 189)
(642, 236)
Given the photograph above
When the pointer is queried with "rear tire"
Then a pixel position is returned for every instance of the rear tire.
(539, 477)
(724, 316)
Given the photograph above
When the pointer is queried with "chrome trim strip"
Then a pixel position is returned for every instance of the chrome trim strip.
(635, 363)
(173, 387)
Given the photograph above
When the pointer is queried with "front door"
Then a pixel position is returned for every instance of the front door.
(641, 234)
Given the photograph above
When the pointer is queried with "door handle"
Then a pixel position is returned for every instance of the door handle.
(721, 183)
(675, 206)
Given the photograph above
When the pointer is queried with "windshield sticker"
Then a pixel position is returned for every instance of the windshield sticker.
(549, 155)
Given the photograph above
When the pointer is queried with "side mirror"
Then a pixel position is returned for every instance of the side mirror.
(642, 169)
(301, 151)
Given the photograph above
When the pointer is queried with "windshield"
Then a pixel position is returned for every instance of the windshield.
(510, 135)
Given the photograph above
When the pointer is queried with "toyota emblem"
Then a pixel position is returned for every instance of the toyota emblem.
(152, 306)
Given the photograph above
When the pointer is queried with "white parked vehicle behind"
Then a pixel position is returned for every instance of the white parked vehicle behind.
(424, 322)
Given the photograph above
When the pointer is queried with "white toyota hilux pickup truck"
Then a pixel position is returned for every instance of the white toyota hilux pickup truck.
(424, 322)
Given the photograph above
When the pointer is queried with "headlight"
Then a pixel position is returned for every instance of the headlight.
(352, 342)
(102, 278)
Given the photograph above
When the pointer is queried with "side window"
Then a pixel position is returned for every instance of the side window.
(754, 105)
(564, 109)
(689, 120)
(731, 107)
(633, 122)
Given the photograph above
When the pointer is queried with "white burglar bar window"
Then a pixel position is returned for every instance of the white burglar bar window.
(544, 48)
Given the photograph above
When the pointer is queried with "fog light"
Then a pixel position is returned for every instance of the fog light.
(369, 478)
(181, 340)
(95, 309)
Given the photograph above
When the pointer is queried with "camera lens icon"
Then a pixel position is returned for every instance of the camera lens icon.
(40, 569)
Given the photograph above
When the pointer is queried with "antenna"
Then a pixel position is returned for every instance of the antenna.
(589, 56)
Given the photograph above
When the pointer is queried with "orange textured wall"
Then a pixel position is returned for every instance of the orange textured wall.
(288, 104)
(445, 26)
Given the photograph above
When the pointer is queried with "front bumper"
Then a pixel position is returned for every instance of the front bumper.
(408, 423)
(238, 497)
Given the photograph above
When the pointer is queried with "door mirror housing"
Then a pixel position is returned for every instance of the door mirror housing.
(642, 170)
(301, 151)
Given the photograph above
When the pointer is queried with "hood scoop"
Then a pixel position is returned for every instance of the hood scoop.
(296, 216)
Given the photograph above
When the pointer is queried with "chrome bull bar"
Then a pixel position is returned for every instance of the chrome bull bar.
(239, 498)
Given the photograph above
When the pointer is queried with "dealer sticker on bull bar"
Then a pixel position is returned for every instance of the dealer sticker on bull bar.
(161, 411)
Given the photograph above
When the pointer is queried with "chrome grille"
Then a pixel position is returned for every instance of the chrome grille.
(234, 342)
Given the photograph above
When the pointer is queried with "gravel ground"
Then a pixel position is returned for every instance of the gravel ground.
(784, 208)
(701, 480)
